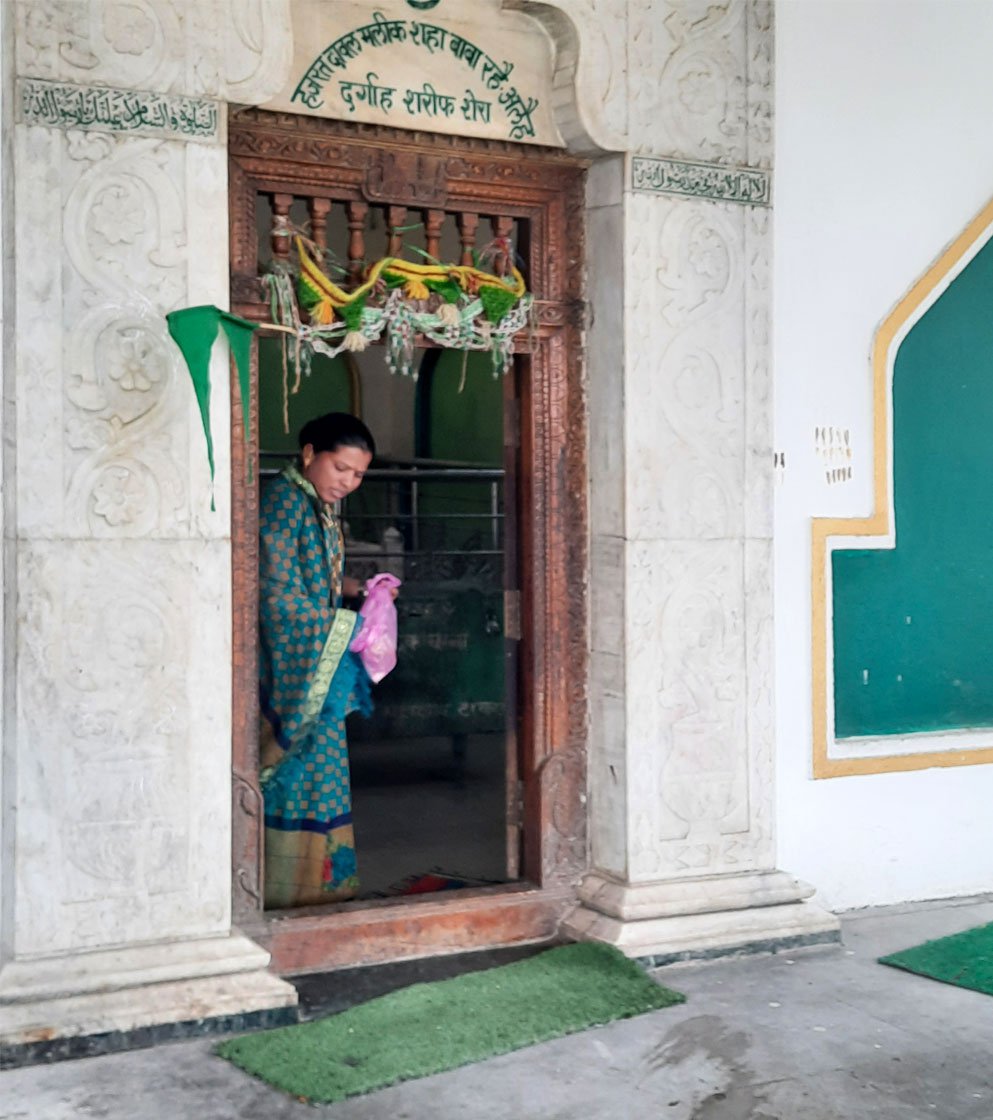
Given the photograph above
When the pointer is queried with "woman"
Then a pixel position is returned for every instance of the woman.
(309, 679)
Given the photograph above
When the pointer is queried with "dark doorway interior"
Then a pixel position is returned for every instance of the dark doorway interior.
(433, 767)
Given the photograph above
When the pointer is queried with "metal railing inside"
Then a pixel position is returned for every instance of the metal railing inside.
(423, 519)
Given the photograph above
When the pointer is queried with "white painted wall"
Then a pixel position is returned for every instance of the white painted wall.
(883, 155)
(7, 510)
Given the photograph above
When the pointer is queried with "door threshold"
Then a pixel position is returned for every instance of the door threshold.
(384, 930)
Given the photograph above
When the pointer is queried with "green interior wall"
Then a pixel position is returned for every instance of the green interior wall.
(327, 389)
(464, 421)
(913, 626)
(461, 422)
(449, 677)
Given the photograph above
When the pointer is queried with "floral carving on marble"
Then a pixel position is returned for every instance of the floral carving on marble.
(126, 265)
(129, 28)
(686, 355)
(96, 632)
(697, 644)
(712, 100)
(700, 265)
(237, 50)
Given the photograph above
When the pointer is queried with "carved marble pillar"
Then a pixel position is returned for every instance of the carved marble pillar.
(682, 766)
(117, 742)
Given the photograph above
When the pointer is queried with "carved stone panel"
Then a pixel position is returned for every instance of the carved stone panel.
(685, 368)
(123, 829)
(689, 772)
(235, 50)
(697, 661)
(123, 572)
(478, 70)
(759, 68)
(129, 460)
(700, 79)
(759, 462)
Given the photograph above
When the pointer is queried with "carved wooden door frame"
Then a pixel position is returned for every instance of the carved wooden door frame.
(275, 153)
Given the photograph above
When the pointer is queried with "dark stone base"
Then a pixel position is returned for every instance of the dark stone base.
(752, 948)
(112, 1042)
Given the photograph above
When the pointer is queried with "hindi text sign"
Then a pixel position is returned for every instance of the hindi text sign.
(372, 62)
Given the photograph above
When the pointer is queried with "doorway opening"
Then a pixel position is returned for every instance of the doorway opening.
(434, 768)
(468, 779)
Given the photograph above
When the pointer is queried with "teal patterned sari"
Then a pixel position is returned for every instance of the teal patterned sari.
(309, 682)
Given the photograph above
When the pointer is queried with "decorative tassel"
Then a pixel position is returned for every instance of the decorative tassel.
(448, 315)
(286, 388)
(416, 289)
(463, 306)
(496, 301)
(323, 313)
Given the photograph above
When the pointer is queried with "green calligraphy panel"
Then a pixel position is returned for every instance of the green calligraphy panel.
(913, 626)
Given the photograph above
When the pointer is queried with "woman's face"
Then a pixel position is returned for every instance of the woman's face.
(334, 474)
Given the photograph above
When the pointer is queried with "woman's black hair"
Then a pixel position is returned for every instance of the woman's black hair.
(334, 430)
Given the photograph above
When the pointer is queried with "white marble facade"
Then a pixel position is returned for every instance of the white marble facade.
(117, 590)
(680, 385)
(117, 728)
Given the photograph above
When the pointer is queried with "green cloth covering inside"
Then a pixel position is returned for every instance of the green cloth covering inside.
(428, 1028)
(964, 959)
(194, 330)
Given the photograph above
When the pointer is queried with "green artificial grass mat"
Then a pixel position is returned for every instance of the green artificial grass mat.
(428, 1028)
(964, 959)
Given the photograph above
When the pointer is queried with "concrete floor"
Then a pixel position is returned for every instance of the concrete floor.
(820, 1035)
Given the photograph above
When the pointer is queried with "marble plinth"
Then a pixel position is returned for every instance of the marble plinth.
(694, 918)
(113, 991)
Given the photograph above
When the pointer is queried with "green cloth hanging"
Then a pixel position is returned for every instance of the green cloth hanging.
(194, 330)
(496, 301)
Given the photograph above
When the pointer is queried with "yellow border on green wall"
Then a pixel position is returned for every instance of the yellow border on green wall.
(878, 525)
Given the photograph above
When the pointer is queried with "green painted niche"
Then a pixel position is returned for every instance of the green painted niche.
(913, 626)
(459, 418)
(326, 389)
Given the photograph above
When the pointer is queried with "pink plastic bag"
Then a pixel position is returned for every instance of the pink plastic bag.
(376, 642)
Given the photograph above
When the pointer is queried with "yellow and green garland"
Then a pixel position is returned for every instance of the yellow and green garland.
(461, 307)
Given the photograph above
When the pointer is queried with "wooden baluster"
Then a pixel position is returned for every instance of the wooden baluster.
(433, 220)
(501, 230)
(319, 210)
(279, 236)
(467, 223)
(395, 216)
(357, 212)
